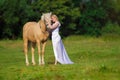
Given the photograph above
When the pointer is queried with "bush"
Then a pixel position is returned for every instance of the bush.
(93, 17)
(111, 28)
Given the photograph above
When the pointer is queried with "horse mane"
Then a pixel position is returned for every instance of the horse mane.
(43, 20)
(45, 16)
(42, 25)
(42, 17)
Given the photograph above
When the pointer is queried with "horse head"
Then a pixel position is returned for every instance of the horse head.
(46, 17)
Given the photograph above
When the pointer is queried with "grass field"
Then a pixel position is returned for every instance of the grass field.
(94, 59)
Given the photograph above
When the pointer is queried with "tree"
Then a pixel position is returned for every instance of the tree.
(14, 13)
(113, 10)
(93, 17)
(64, 9)
(76, 16)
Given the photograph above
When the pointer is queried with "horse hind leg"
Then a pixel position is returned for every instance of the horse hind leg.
(33, 50)
(26, 51)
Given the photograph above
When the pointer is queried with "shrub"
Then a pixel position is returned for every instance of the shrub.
(111, 28)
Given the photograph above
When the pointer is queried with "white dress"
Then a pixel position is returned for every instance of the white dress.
(58, 47)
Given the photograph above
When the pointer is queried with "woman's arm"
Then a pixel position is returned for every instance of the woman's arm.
(53, 26)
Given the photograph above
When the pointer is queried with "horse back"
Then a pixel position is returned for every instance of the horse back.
(30, 30)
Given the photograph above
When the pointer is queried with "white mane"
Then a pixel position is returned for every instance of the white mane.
(42, 17)
(46, 16)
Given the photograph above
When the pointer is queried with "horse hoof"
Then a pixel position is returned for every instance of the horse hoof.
(33, 64)
(27, 64)
(55, 64)
(41, 64)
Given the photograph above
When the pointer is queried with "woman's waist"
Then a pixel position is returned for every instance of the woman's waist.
(55, 32)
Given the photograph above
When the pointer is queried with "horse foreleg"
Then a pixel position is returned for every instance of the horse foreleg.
(38, 45)
(33, 50)
(43, 51)
(26, 51)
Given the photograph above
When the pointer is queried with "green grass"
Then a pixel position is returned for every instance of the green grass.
(94, 59)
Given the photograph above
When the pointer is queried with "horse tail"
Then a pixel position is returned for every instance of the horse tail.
(33, 44)
(29, 45)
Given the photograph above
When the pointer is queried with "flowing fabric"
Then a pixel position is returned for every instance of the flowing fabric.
(58, 48)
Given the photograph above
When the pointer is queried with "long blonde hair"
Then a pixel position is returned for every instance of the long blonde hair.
(55, 16)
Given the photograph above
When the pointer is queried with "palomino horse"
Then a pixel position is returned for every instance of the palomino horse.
(36, 33)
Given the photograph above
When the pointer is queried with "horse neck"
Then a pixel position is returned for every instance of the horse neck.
(42, 25)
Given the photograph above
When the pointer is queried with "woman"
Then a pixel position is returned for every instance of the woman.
(58, 47)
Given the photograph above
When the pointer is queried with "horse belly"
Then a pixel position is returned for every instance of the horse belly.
(32, 39)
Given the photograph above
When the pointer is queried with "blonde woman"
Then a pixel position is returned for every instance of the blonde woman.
(58, 46)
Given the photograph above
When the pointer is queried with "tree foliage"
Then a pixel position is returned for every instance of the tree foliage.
(93, 17)
(76, 16)
(14, 13)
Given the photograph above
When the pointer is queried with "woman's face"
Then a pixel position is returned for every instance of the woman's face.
(53, 19)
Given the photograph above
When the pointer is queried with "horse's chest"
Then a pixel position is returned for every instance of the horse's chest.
(43, 39)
